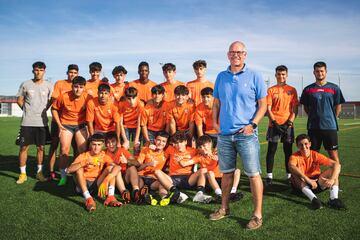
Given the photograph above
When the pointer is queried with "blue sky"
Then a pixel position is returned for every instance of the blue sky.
(294, 33)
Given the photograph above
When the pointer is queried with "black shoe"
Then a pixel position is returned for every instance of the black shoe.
(236, 196)
(174, 196)
(218, 198)
(336, 204)
(268, 182)
(316, 204)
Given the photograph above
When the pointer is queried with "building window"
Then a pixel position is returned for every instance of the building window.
(5, 109)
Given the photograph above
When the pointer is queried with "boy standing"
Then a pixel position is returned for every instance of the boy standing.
(93, 83)
(143, 84)
(119, 74)
(169, 71)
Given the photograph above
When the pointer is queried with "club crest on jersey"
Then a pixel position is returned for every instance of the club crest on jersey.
(289, 92)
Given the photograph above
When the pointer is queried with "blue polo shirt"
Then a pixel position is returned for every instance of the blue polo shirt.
(321, 102)
(238, 95)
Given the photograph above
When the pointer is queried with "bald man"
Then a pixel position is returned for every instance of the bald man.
(240, 104)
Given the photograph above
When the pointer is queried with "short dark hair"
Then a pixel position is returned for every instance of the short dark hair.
(181, 90)
(79, 80)
(202, 140)
(179, 136)
(119, 69)
(73, 67)
(206, 91)
(301, 137)
(158, 89)
(163, 134)
(143, 63)
(110, 135)
(281, 68)
(131, 92)
(95, 66)
(97, 137)
(199, 63)
(319, 65)
(168, 67)
(103, 87)
(39, 64)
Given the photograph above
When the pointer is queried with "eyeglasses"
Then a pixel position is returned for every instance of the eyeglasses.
(233, 53)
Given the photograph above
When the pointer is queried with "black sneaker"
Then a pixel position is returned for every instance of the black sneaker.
(236, 196)
(336, 204)
(218, 198)
(268, 182)
(174, 196)
(316, 204)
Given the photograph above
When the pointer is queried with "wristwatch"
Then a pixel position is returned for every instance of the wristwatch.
(254, 125)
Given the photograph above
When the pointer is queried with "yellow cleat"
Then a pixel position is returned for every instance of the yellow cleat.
(22, 178)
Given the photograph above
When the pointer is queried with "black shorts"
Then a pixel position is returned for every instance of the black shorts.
(54, 131)
(74, 128)
(328, 137)
(273, 135)
(91, 186)
(181, 181)
(33, 135)
(148, 180)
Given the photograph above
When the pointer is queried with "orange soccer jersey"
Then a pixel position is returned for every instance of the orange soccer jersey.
(61, 87)
(195, 88)
(116, 157)
(209, 163)
(282, 99)
(118, 90)
(104, 116)
(175, 157)
(203, 115)
(309, 166)
(169, 90)
(92, 164)
(144, 90)
(154, 118)
(146, 156)
(92, 87)
(182, 115)
(72, 111)
(130, 114)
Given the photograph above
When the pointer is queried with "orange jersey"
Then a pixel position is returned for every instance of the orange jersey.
(169, 90)
(182, 115)
(130, 114)
(209, 163)
(203, 115)
(144, 90)
(61, 87)
(309, 166)
(92, 164)
(282, 99)
(146, 156)
(119, 90)
(116, 157)
(174, 160)
(195, 88)
(72, 111)
(104, 117)
(92, 87)
(154, 118)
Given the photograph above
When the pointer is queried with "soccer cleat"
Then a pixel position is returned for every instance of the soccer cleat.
(336, 204)
(218, 198)
(62, 182)
(182, 198)
(236, 196)
(125, 195)
(40, 177)
(22, 178)
(254, 223)
(90, 204)
(202, 198)
(52, 177)
(219, 214)
(140, 194)
(111, 201)
(316, 204)
(268, 182)
(172, 197)
(150, 200)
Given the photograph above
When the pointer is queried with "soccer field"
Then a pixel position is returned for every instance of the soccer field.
(37, 210)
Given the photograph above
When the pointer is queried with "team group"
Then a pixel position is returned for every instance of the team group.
(175, 130)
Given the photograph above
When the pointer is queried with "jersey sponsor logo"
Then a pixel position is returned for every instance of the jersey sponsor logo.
(317, 90)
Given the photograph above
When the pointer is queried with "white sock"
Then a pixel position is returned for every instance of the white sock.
(39, 168)
(86, 195)
(307, 191)
(233, 190)
(288, 175)
(23, 169)
(218, 191)
(63, 173)
(334, 192)
(111, 190)
(270, 175)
